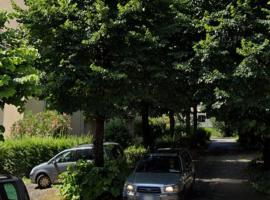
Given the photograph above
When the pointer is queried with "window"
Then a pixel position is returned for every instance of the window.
(85, 154)
(201, 118)
(160, 165)
(11, 191)
(113, 151)
(68, 156)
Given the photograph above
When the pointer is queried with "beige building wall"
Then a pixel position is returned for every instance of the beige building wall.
(1, 117)
(10, 115)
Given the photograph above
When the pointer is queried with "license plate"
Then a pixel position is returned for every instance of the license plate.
(148, 197)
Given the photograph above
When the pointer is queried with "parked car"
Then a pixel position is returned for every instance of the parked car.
(12, 188)
(167, 174)
(47, 173)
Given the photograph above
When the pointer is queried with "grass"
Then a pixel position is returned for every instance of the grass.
(26, 180)
(215, 133)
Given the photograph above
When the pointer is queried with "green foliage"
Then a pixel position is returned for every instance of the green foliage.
(47, 123)
(88, 182)
(2, 130)
(214, 133)
(134, 154)
(202, 137)
(158, 126)
(116, 130)
(18, 78)
(19, 156)
(259, 178)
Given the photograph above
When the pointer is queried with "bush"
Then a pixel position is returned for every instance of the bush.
(88, 182)
(116, 130)
(202, 137)
(19, 156)
(259, 178)
(48, 123)
(134, 154)
(2, 130)
(158, 126)
(213, 132)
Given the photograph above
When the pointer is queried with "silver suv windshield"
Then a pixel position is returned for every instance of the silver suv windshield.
(160, 164)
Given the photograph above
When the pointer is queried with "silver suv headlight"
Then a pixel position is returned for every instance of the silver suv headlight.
(130, 189)
(171, 189)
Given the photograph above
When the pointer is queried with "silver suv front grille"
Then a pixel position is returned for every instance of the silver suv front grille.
(152, 190)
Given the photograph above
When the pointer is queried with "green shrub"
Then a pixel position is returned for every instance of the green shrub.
(176, 141)
(259, 178)
(88, 182)
(2, 130)
(213, 132)
(116, 130)
(202, 137)
(19, 156)
(134, 154)
(158, 126)
(48, 123)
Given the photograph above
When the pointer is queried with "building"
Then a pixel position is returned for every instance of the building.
(9, 115)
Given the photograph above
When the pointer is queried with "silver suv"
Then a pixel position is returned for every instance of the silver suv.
(47, 173)
(166, 175)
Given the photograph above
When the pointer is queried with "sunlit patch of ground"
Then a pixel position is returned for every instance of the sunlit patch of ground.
(46, 194)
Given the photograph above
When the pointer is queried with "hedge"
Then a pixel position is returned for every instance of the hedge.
(19, 156)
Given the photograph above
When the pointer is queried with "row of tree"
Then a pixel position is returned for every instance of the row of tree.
(113, 57)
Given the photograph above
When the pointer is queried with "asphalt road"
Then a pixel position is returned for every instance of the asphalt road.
(222, 175)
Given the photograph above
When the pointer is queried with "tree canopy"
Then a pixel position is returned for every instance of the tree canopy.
(18, 76)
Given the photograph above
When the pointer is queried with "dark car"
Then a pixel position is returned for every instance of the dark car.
(12, 188)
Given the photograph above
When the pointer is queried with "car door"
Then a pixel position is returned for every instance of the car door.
(9, 191)
(64, 160)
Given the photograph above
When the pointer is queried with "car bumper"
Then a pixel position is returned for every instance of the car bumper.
(139, 196)
(32, 178)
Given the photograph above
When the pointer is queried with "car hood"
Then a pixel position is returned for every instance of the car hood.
(156, 178)
(40, 165)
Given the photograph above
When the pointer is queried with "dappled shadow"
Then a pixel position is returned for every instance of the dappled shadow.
(222, 175)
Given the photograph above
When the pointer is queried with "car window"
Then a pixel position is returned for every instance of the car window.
(160, 165)
(69, 156)
(113, 151)
(10, 191)
(85, 154)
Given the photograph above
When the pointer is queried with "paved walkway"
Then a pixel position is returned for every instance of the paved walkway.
(222, 175)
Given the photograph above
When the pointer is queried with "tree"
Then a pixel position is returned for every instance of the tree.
(18, 78)
(158, 40)
(235, 56)
(80, 47)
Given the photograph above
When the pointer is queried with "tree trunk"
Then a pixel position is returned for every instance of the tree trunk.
(228, 130)
(188, 121)
(195, 118)
(266, 153)
(172, 122)
(98, 141)
(147, 135)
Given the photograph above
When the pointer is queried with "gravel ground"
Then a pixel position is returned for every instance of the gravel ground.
(47, 194)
